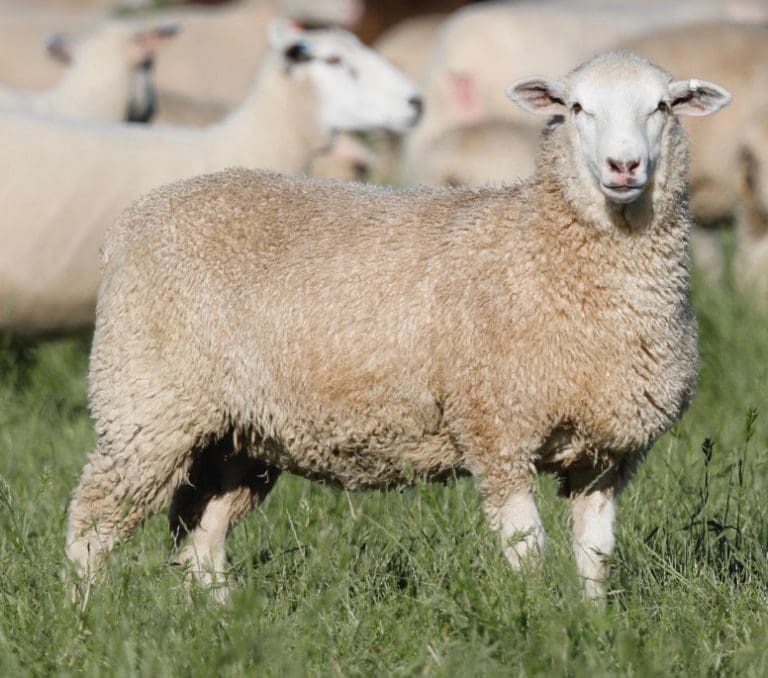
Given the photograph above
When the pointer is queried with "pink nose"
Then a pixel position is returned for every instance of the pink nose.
(624, 169)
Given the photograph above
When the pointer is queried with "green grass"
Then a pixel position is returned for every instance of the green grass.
(403, 583)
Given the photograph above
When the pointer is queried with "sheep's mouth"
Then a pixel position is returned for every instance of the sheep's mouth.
(622, 193)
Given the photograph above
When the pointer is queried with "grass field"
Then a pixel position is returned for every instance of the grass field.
(404, 583)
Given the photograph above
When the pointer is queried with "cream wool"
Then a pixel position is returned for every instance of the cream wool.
(108, 80)
(250, 323)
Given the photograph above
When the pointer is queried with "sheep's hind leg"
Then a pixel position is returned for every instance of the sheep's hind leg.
(117, 493)
(223, 487)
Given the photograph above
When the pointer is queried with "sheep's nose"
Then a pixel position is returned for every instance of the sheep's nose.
(628, 167)
(417, 103)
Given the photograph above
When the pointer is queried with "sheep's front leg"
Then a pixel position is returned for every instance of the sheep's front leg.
(512, 512)
(593, 511)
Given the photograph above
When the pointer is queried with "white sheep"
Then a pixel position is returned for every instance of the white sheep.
(493, 42)
(249, 323)
(312, 84)
(108, 79)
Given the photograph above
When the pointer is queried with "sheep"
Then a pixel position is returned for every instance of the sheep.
(751, 261)
(521, 34)
(108, 79)
(250, 323)
(313, 84)
(488, 151)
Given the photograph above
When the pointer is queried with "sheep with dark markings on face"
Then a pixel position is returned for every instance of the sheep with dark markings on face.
(250, 323)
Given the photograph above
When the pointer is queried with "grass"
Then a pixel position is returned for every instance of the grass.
(403, 583)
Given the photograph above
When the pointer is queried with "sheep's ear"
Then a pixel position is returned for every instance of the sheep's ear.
(540, 96)
(697, 97)
(150, 39)
(59, 48)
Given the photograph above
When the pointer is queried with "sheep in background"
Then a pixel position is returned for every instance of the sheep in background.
(494, 42)
(63, 181)
(216, 56)
(348, 159)
(408, 43)
(221, 48)
(108, 79)
(751, 261)
(485, 152)
(250, 323)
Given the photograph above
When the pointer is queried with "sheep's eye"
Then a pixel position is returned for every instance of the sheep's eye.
(333, 60)
(576, 107)
(298, 53)
(663, 107)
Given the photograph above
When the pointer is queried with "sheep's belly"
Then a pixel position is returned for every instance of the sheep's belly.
(432, 457)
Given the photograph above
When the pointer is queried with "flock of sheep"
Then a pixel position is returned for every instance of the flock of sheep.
(532, 317)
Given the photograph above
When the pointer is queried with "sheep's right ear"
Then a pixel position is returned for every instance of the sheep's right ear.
(539, 96)
(59, 48)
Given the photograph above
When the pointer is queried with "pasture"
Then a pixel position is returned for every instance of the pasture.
(333, 583)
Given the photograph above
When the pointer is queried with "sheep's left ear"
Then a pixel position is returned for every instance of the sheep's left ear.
(150, 39)
(59, 48)
(697, 97)
(540, 96)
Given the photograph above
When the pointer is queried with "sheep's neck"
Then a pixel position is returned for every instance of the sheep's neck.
(110, 82)
(277, 126)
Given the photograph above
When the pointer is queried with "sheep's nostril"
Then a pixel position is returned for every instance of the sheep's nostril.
(615, 165)
(632, 165)
(417, 103)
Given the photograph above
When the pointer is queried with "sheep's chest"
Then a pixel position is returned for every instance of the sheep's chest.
(631, 385)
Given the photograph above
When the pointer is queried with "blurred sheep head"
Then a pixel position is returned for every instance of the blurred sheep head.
(118, 49)
(357, 89)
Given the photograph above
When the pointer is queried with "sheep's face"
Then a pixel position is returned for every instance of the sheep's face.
(356, 89)
(619, 107)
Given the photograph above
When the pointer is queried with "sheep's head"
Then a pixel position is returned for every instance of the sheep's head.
(117, 53)
(619, 108)
(356, 88)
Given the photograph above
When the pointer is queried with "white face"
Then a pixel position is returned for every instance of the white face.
(357, 89)
(619, 107)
